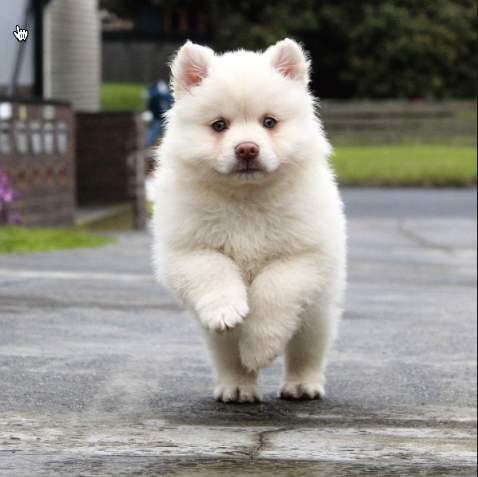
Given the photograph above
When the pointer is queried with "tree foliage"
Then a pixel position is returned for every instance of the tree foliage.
(405, 48)
(375, 48)
(129, 9)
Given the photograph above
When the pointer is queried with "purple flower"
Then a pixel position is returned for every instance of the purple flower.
(7, 196)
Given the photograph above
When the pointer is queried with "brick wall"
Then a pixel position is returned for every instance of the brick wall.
(37, 150)
(110, 161)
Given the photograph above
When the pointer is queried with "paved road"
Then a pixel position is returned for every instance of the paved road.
(411, 203)
(101, 374)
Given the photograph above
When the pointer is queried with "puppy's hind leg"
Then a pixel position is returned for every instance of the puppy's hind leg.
(306, 354)
(235, 384)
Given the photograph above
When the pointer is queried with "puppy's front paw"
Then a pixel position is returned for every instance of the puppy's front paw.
(302, 391)
(240, 394)
(223, 317)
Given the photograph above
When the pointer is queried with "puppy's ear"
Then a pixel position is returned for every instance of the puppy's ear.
(190, 67)
(289, 59)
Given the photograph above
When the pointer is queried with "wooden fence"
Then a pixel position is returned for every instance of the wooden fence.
(400, 122)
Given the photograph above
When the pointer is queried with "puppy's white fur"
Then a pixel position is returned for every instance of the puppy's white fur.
(258, 257)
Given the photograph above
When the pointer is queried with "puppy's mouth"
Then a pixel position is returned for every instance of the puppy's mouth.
(249, 168)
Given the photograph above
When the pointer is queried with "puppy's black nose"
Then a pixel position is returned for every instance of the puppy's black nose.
(247, 151)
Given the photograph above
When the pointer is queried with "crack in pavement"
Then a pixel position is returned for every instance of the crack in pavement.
(410, 234)
(262, 441)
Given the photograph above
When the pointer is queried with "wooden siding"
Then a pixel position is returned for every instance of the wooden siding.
(73, 53)
(137, 61)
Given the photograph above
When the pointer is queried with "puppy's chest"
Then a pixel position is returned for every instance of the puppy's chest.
(251, 238)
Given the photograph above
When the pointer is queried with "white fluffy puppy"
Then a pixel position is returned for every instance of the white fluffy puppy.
(249, 227)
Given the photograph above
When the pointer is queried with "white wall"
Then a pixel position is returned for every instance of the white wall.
(73, 53)
(12, 13)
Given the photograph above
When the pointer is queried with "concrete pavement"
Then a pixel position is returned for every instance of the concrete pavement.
(101, 374)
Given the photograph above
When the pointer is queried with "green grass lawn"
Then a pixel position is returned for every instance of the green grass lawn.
(122, 97)
(406, 166)
(23, 240)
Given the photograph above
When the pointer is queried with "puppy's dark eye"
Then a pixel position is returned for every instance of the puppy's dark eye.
(219, 126)
(270, 123)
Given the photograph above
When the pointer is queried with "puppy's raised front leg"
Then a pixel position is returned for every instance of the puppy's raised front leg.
(210, 285)
(277, 298)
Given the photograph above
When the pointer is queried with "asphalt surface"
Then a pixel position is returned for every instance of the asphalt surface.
(102, 374)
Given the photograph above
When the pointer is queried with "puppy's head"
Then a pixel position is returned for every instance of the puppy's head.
(245, 117)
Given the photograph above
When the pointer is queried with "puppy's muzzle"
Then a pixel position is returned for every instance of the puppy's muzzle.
(247, 154)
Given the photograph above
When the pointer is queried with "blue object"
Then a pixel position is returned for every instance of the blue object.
(155, 130)
(159, 101)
